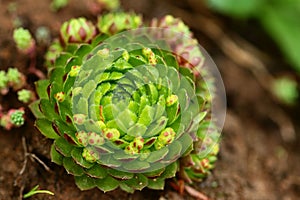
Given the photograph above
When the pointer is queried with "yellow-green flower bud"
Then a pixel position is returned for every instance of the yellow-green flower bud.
(82, 138)
(90, 155)
(111, 134)
(171, 100)
(166, 136)
(74, 70)
(60, 96)
(104, 53)
(94, 139)
(79, 118)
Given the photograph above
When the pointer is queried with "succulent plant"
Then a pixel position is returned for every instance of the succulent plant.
(24, 41)
(15, 79)
(77, 31)
(180, 38)
(53, 51)
(113, 23)
(3, 82)
(25, 96)
(13, 118)
(122, 109)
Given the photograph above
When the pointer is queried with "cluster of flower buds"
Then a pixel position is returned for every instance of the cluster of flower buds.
(13, 118)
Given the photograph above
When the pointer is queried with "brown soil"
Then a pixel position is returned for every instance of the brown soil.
(256, 161)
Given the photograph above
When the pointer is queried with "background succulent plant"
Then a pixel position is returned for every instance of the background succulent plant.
(13, 118)
(125, 111)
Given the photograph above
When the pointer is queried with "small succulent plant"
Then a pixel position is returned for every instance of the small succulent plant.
(13, 118)
(123, 109)
(3, 82)
(24, 41)
(25, 96)
(12, 78)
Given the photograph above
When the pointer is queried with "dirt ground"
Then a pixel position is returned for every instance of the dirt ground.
(259, 157)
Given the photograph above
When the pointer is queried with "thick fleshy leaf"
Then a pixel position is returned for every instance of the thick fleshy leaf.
(136, 166)
(63, 147)
(186, 72)
(72, 167)
(126, 188)
(65, 111)
(109, 161)
(152, 92)
(156, 127)
(144, 101)
(84, 182)
(107, 184)
(92, 126)
(146, 116)
(155, 173)
(35, 109)
(122, 156)
(120, 143)
(138, 182)
(71, 48)
(77, 156)
(65, 128)
(195, 122)
(73, 61)
(108, 112)
(83, 50)
(136, 60)
(174, 152)
(122, 65)
(68, 84)
(41, 88)
(126, 119)
(120, 175)
(160, 107)
(97, 171)
(45, 127)
(156, 184)
(55, 156)
(172, 112)
(171, 61)
(88, 89)
(183, 99)
(56, 75)
(186, 140)
(62, 59)
(81, 106)
(99, 38)
(174, 78)
(162, 70)
(137, 130)
(149, 142)
(48, 109)
(158, 155)
(170, 171)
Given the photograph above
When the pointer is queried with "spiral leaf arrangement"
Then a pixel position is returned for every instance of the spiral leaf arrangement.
(124, 107)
